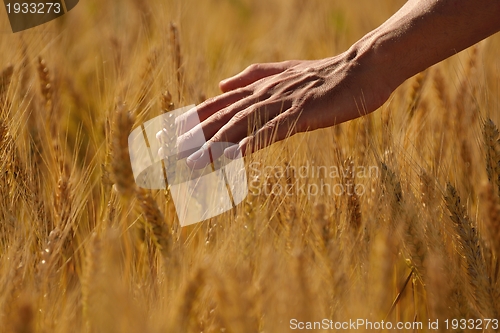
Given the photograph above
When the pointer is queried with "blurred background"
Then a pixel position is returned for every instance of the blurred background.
(82, 248)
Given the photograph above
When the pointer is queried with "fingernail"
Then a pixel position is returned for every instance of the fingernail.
(196, 156)
(233, 152)
(199, 159)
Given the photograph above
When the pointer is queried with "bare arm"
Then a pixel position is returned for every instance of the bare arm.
(298, 96)
(423, 33)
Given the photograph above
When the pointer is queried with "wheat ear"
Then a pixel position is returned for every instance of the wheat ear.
(469, 248)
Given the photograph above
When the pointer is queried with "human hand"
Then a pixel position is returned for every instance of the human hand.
(269, 102)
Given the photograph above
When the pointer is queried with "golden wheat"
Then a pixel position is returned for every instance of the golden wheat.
(84, 249)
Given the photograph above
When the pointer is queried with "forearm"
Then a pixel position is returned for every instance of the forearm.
(424, 32)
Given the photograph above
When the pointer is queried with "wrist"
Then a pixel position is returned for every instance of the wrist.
(377, 60)
(423, 33)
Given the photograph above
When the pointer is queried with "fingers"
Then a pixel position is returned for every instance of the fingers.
(189, 133)
(254, 73)
(208, 153)
(213, 105)
(277, 129)
(207, 129)
(233, 131)
(193, 128)
(233, 124)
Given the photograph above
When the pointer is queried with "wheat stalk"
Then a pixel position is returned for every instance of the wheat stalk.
(177, 58)
(5, 79)
(491, 143)
(91, 270)
(187, 300)
(46, 88)
(492, 214)
(155, 221)
(416, 92)
(440, 88)
(467, 238)
(3, 135)
(122, 174)
(166, 102)
(353, 200)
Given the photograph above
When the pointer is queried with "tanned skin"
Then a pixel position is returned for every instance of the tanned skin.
(303, 95)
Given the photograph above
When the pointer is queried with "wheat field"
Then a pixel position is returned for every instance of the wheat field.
(83, 249)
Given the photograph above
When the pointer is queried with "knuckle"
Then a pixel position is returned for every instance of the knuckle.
(270, 126)
(254, 67)
(311, 75)
(216, 138)
(264, 92)
(309, 70)
(220, 136)
(237, 118)
(214, 100)
(219, 116)
(244, 91)
(224, 115)
(265, 89)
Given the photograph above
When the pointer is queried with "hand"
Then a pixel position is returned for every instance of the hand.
(268, 102)
(285, 98)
